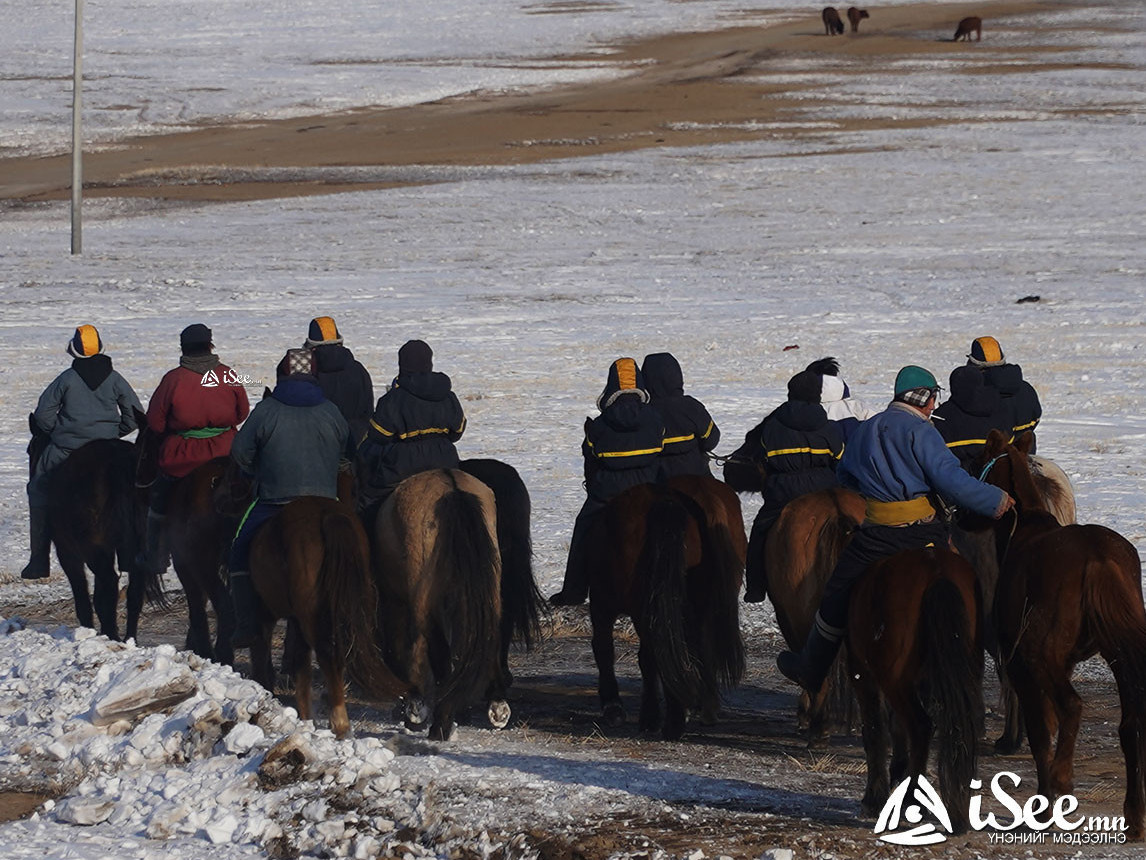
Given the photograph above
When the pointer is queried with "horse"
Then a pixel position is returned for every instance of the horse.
(855, 16)
(800, 554)
(671, 557)
(310, 564)
(199, 536)
(832, 24)
(96, 518)
(914, 649)
(438, 572)
(966, 27)
(1066, 593)
(522, 604)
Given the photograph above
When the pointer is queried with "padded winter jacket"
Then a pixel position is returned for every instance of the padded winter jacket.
(689, 432)
(973, 410)
(346, 384)
(622, 446)
(799, 448)
(1018, 394)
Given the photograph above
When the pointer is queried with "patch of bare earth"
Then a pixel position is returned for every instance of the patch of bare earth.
(738, 84)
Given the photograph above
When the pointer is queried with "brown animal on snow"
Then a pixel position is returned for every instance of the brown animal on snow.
(832, 23)
(855, 16)
(968, 26)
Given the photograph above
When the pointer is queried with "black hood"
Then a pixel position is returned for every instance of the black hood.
(331, 358)
(1008, 378)
(663, 376)
(94, 370)
(971, 393)
(626, 413)
(801, 416)
(425, 386)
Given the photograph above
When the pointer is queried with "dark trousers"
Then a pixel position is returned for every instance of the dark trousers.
(257, 514)
(868, 545)
(755, 574)
(576, 580)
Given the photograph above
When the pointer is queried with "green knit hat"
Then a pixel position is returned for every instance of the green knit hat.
(913, 377)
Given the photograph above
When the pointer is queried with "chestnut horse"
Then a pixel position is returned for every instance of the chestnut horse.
(1065, 594)
(832, 24)
(310, 564)
(914, 649)
(966, 27)
(95, 516)
(438, 570)
(855, 16)
(198, 536)
(671, 557)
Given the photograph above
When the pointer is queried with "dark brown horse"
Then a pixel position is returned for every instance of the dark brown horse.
(914, 649)
(800, 554)
(438, 570)
(522, 605)
(198, 535)
(966, 27)
(833, 26)
(1065, 594)
(671, 557)
(96, 518)
(855, 15)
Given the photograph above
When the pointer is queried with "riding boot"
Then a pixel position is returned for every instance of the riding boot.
(38, 566)
(246, 604)
(155, 555)
(810, 667)
(755, 576)
(575, 587)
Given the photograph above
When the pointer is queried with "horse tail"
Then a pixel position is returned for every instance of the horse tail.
(953, 684)
(1112, 607)
(521, 600)
(346, 584)
(467, 567)
(663, 557)
(725, 656)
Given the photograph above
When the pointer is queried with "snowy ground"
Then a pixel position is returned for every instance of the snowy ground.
(882, 248)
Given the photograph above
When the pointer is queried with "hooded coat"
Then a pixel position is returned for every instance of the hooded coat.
(414, 428)
(972, 411)
(841, 407)
(1018, 394)
(88, 401)
(346, 384)
(799, 448)
(689, 431)
(623, 444)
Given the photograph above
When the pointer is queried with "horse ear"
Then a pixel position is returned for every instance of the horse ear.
(1025, 442)
(996, 443)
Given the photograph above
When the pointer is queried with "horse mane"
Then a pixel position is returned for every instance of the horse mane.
(825, 366)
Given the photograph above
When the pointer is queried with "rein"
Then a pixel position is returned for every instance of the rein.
(990, 464)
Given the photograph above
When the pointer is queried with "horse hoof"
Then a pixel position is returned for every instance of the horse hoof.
(613, 715)
(499, 714)
(1005, 746)
(414, 713)
(438, 732)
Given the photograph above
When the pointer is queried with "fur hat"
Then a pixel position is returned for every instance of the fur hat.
(323, 331)
(985, 352)
(297, 364)
(85, 342)
(195, 338)
(415, 356)
(624, 378)
(805, 387)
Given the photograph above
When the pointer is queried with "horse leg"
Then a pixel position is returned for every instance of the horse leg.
(135, 593)
(1068, 706)
(1040, 719)
(262, 669)
(73, 567)
(604, 655)
(106, 596)
(874, 732)
(198, 625)
(333, 667)
(446, 707)
(1131, 737)
(1011, 739)
(650, 717)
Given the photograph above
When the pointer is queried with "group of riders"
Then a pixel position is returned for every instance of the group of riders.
(321, 419)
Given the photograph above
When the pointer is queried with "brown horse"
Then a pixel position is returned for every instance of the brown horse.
(671, 557)
(914, 649)
(966, 27)
(198, 535)
(438, 570)
(833, 26)
(855, 16)
(95, 516)
(800, 553)
(1065, 594)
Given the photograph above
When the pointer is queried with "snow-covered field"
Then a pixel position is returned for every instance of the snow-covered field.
(882, 248)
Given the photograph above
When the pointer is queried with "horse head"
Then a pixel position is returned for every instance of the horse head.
(1006, 465)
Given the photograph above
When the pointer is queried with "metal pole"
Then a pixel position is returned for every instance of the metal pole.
(77, 136)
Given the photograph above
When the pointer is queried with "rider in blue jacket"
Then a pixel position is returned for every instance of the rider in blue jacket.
(894, 460)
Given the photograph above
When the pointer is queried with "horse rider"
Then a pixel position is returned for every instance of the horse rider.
(293, 444)
(88, 401)
(413, 429)
(836, 398)
(798, 450)
(967, 417)
(894, 461)
(342, 378)
(194, 411)
(1017, 393)
(690, 432)
(621, 449)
